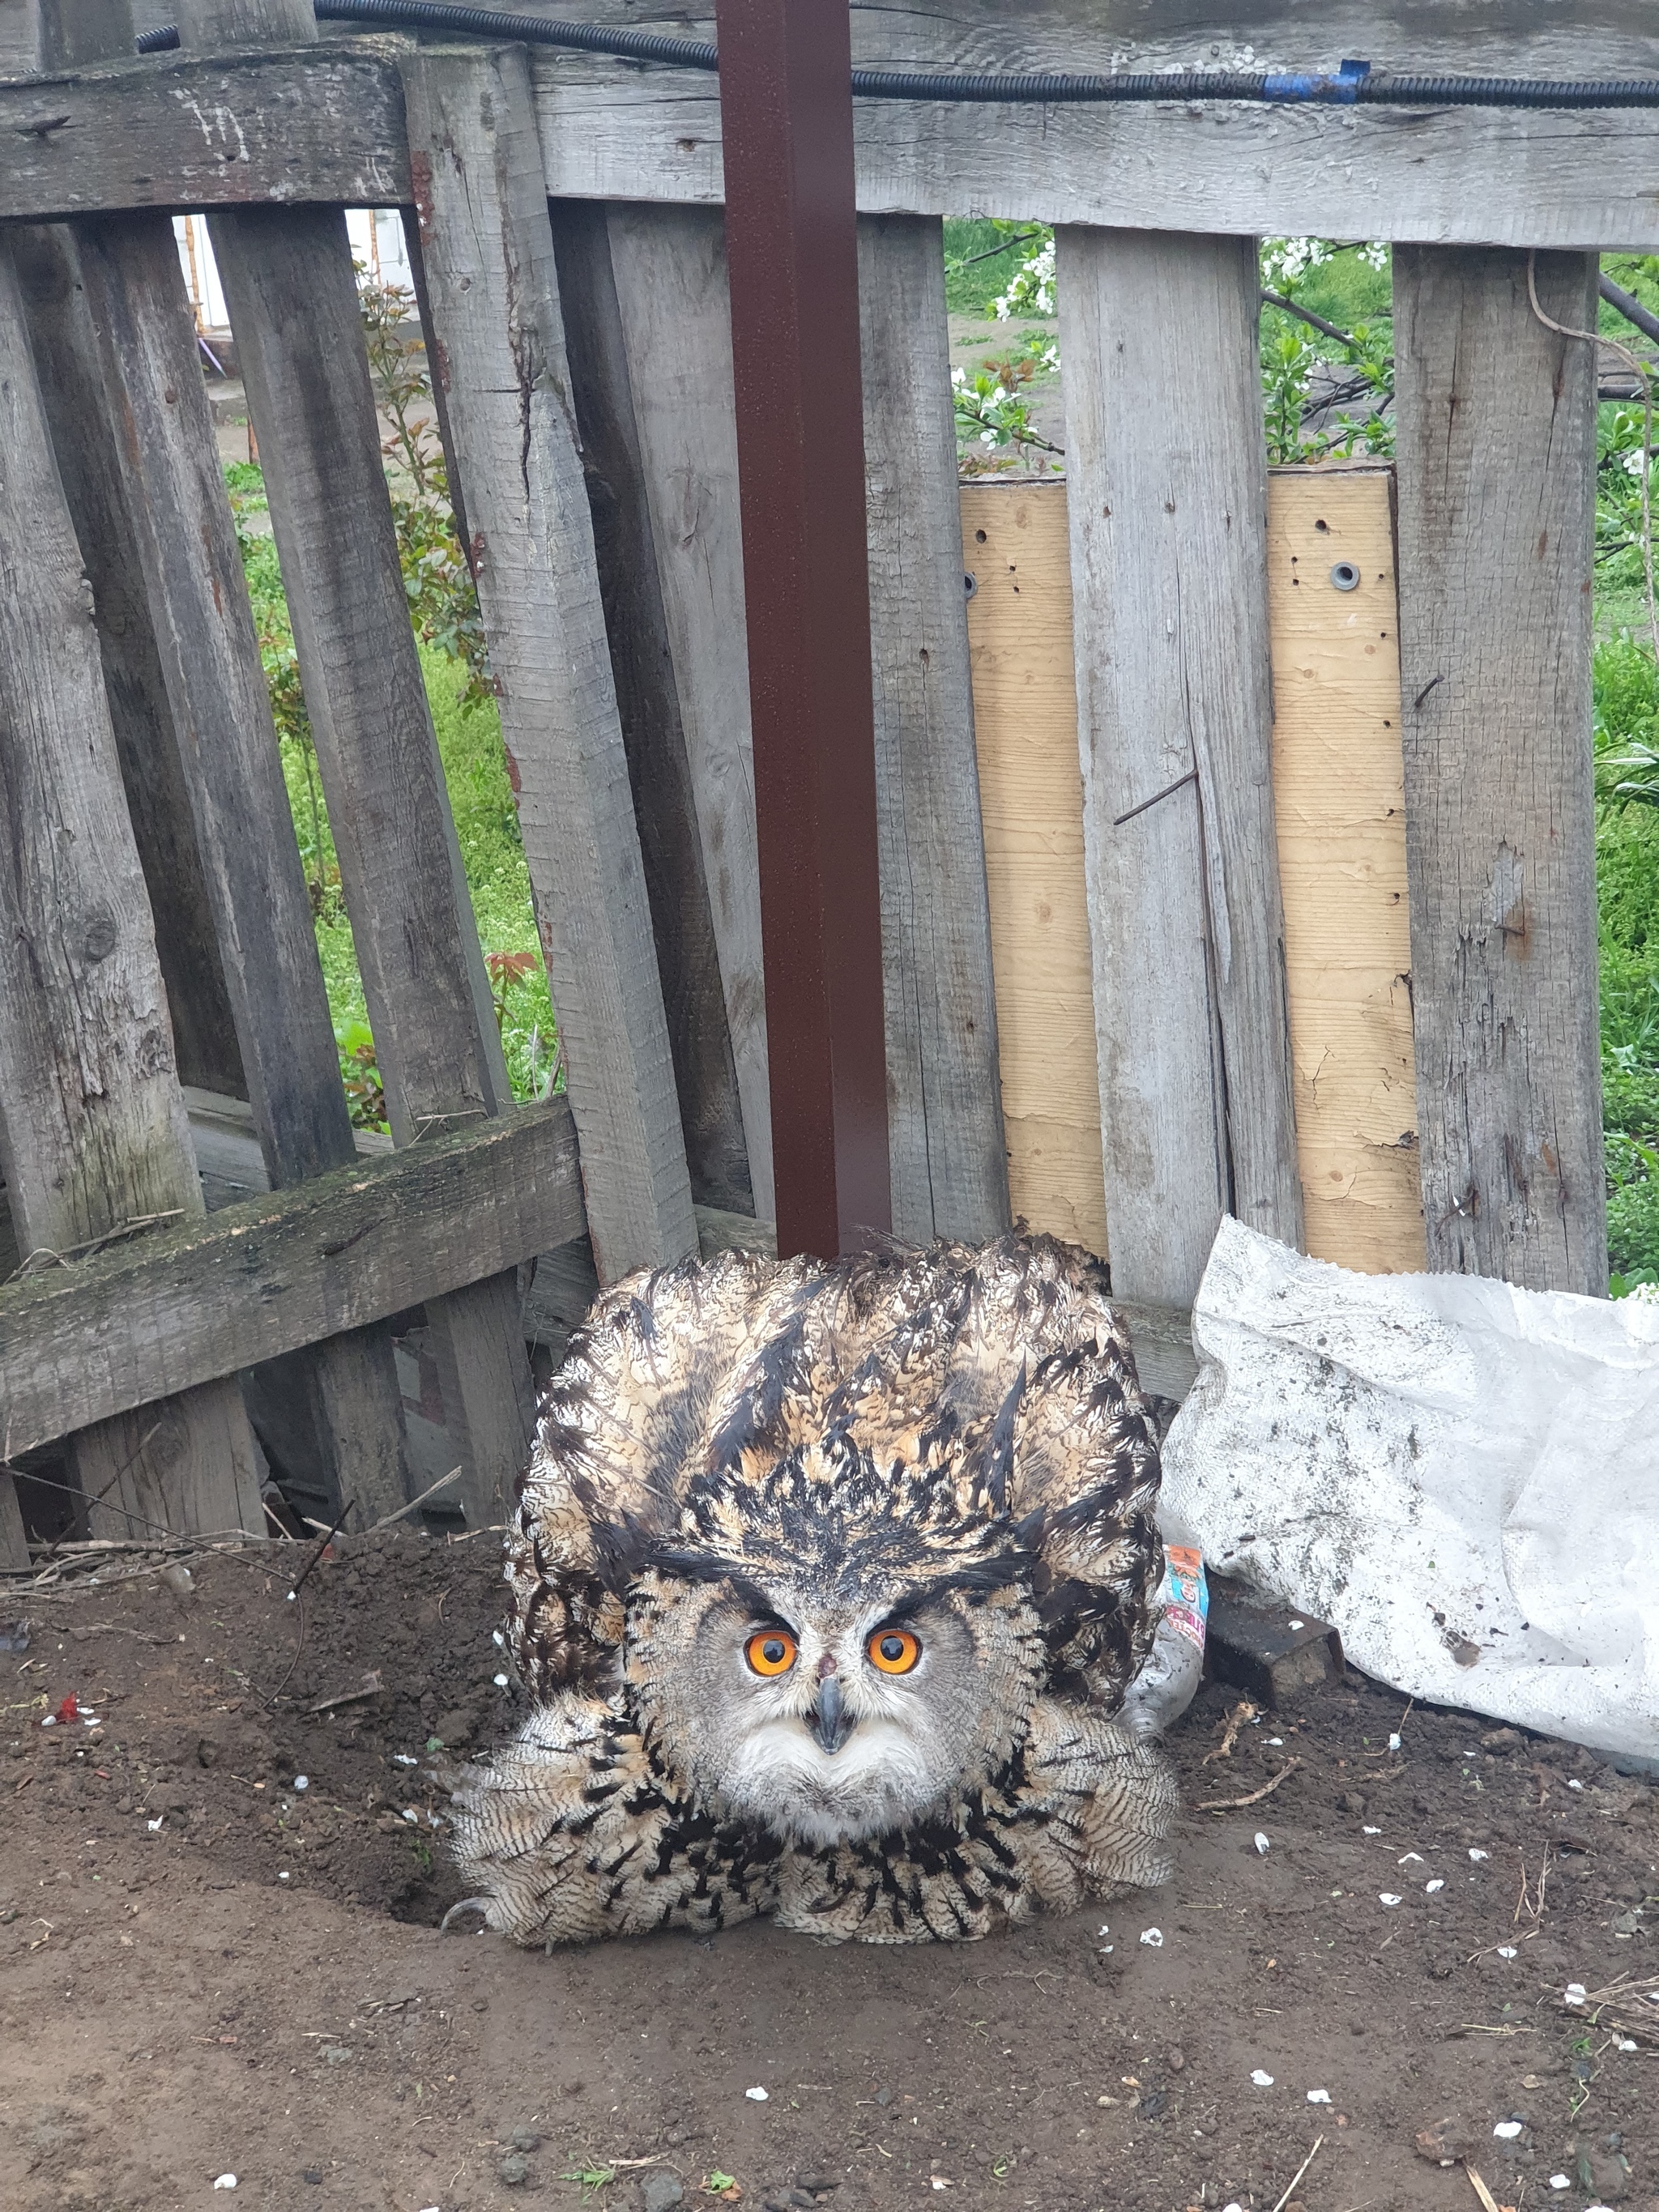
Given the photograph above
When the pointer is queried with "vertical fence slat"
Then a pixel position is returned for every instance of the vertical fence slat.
(1497, 467)
(71, 385)
(950, 1168)
(292, 293)
(1168, 524)
(488, 247)
(669, 266)
(227, 746)
(647, 702)
(92, 1117)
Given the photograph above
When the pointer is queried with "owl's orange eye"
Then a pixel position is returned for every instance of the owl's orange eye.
(771, 1652)
(895, 1650)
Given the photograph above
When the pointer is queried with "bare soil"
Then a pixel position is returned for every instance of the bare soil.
(205, 1970)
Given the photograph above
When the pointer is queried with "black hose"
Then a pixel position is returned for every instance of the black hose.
(1352, 84)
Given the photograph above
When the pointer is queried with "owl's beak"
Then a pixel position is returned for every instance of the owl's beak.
(830, 1722)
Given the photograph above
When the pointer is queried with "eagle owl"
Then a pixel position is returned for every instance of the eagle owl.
(828, 1582)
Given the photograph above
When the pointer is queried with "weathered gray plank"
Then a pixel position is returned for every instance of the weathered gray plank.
(227, 749)
(66, 349)
(648, 704)
(160, 1313)
(293, 299)
(226, 26)
(169, 132)
(489, 267)
(1564, 177)
(675, 315)
(1497, 472)
(949, 1167)
(69, 33)
(93, 1134)
(1168, 515)
(166, 132)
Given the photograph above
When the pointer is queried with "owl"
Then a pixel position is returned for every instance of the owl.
(828, 1582)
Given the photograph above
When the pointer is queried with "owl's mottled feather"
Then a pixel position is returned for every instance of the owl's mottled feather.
(951, 1443)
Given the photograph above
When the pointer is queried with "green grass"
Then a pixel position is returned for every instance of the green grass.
(1627, 896)
(973, 291)
(486, 823)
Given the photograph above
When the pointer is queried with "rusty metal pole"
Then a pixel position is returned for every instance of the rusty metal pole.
(786, 109)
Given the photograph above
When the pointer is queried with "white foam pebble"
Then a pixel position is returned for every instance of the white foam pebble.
(1508, 1951)
(1559, 2181)
(1371, 1831)
(1573, 1782)
(1386, 1897)
(1506, 2130)
(154, 1824)
(1432, 1886)
(1153, 1937)
(496, 1637)
(1319, 2096)
(1105, 1927)
(1477, 1855)
(1298, 1623)
(1261, 1843)
(302, 1782)
(403, 1759)
(1574, 1994)
(1625, 2044)
(1393, 1743)
(501, 1681)
(757, 2096)
(282, 1877)
(1418, 1856)
(1262, 2081)
(410, 1814)
(225, 2181)
(1277, 1742)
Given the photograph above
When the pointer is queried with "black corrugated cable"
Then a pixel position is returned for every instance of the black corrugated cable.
(1352, 84)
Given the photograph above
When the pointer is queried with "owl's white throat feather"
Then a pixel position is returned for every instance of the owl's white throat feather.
(880, 1779)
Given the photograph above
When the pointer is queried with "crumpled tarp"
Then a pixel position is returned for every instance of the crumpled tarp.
(1460, 1476)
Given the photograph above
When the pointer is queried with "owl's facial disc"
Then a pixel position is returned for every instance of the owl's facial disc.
(821, 1713)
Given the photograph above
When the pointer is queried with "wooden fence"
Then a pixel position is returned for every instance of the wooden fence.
(1314, 829)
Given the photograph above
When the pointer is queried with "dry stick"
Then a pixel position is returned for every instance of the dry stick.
(305, 1571)
(1234, 1804)
(1481, 2188)
(1639, 370)
(403, 1511)
(1297, 2175)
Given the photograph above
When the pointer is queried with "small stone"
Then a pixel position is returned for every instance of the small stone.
(1153, 2105)
(180, 1581)
(571, 2089)
(821, 2184)
(334, 2054)
(883, 2096)
(1502, 1741)
(661, 2190)
(1609, 2176)
(1444, 2140)
(514, 2169)
(312, 2176)
(1175, 2060)
(524, 2139)
(481, 2004)
(454, 1728)
(1351, 1801)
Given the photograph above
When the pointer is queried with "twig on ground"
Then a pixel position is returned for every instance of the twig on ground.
(1297, 2175)
(1243, 1712)
(1235, 1804)
(1481, 2188)
(371, 1687)
(304, 1572)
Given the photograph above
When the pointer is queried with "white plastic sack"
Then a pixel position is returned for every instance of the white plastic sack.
(1462, 1477)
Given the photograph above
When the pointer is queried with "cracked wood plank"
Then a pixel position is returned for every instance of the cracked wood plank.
(1497, 463)
(487, 249)
(1175, 716)
(93, 1132)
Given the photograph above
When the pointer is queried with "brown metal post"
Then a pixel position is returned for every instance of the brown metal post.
(792, 245)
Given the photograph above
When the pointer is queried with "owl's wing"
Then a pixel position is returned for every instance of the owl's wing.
(623, 1428)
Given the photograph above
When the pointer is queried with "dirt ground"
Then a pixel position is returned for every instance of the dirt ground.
(205, 1970)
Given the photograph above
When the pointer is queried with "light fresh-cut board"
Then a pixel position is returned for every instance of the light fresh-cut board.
(1339, 790)
(1014, 545)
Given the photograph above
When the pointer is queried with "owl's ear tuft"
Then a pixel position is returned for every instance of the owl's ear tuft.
(623, 1548)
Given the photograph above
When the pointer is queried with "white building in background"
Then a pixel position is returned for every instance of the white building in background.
(377, 246)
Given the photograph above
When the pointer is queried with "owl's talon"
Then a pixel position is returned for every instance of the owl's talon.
(467, 1905)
